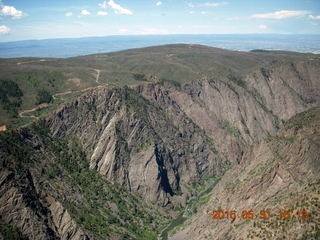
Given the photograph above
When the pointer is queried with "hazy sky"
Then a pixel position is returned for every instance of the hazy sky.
(40, 19)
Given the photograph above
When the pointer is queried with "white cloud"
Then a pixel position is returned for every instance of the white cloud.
(314, 17)
(280, 14)
(69, 14)
(263, 27)
(85, 12)
(11, 11)
(102, 13)
(4, 29)
(158, 3)
(191, 12)
(123, 30)
(190, 5)
(103, 5)
(214, 4)
(118, 9)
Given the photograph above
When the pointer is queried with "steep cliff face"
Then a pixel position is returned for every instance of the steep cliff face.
(236, 111)
(163, 139)
(279, 174)
(150, 138)
(47, 191)
(24, 210)
(133, 142)
(15, 209)
(25, 200)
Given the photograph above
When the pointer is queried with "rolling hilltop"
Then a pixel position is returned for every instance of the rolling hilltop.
(170, 124)
(41, 80)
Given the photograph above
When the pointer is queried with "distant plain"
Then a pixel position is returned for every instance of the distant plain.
(71, 47)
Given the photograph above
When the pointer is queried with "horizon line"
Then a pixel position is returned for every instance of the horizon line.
(169, 34)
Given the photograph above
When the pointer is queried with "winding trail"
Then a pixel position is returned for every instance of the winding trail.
(43, 105)
(54, 96)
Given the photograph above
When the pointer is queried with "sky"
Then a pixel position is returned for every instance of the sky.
(45, 19)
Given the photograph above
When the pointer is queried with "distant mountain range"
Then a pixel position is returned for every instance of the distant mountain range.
(82, 46)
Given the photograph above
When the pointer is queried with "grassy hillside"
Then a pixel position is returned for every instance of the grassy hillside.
(40, 79)
(38, 83)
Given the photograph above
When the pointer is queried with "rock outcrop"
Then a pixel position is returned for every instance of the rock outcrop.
(64, 225)
(94, 168)
(47, 191)
(152, 137)
(279, 174)
(133, 142)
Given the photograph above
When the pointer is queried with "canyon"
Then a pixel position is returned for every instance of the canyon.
(165, 126)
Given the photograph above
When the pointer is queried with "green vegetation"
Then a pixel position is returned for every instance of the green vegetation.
(8, 231)
(285, 139)
(10, 97)
(203, 191)
(176, 65)
(43, 97)
(172, 227)
(203, 194)
(138, 104)
(237, 80)
(167, 82)
(303, 119)
(104, 210)
(139, 77)
(131, 218)
(261, 169)
(31, 78)
(255, 93)
(61, 166)
(38, 82)
(234, 131)
(143, 146)
(209, 177)
(265, 73)
(259, 51)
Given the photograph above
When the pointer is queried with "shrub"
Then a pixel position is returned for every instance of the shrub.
(43, 97)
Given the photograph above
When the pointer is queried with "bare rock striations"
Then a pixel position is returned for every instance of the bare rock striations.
(279, 174)
(133, 142)
(151, 138)
(108, 148)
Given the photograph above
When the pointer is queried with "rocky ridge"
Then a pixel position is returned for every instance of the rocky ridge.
(279, 174)
(151, 137)
(49, 192)
(161, 140)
